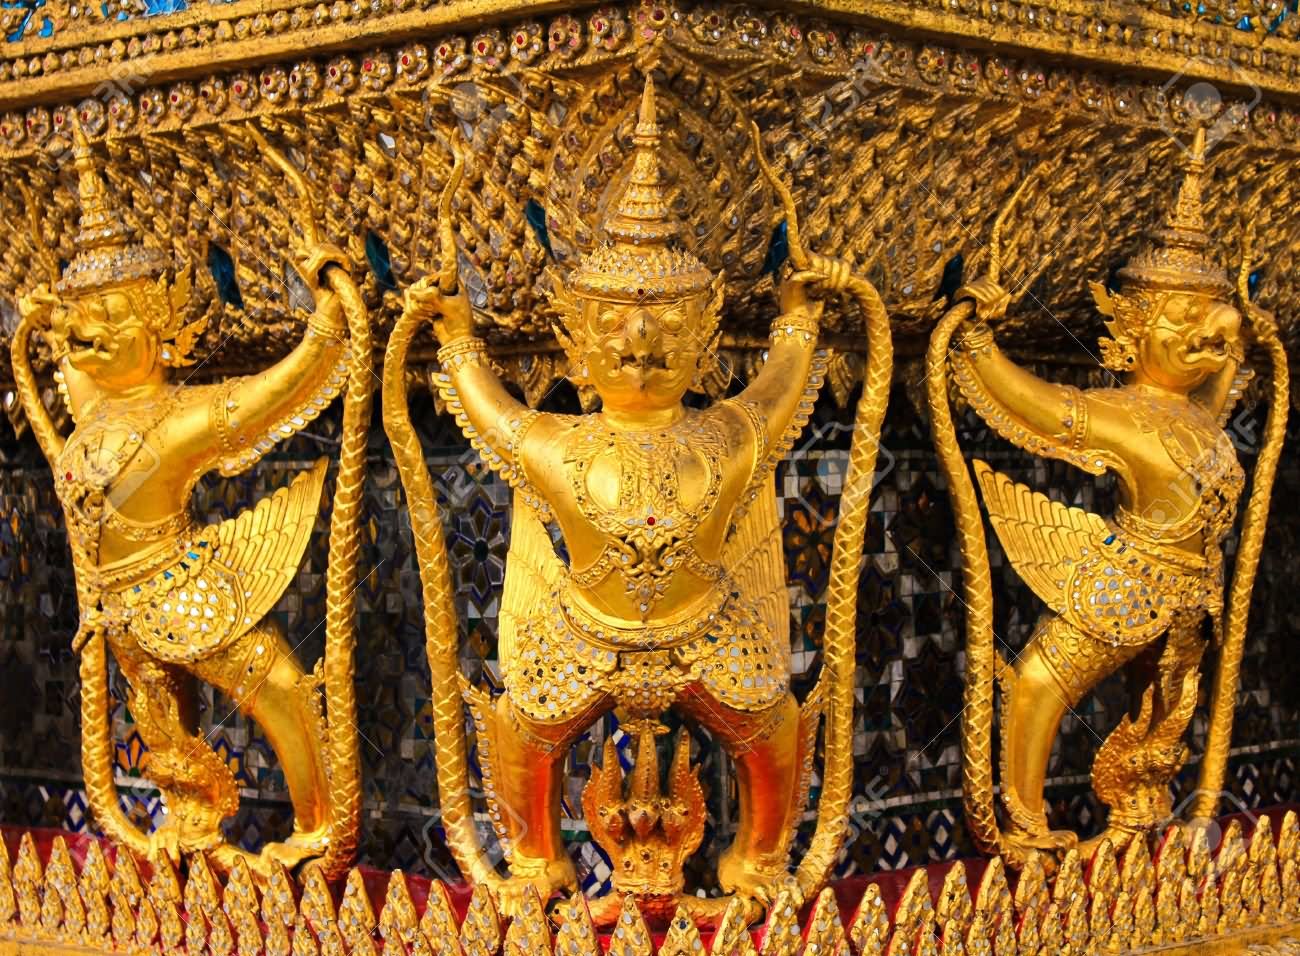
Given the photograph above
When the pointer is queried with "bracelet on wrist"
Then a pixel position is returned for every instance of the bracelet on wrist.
(468, 350)
(796, 324)
(329, 329)
(977, 338)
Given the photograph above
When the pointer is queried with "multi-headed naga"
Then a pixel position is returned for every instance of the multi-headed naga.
(672, 592)
(1141, 589)
(175, 600)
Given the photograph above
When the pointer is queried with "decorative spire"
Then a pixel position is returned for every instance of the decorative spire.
(1177, 257)
(106, 254)
(637, 259)
(642, 215)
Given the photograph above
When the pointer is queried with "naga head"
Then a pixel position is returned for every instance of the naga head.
(1173, 322)
(639, 314)
(119, 320)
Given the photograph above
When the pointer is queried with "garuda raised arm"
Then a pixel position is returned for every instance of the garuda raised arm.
(172, 599)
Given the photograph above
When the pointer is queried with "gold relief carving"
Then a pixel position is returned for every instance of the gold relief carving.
(872, 88)
(1145, 584)
(170, 598)
(674, 595)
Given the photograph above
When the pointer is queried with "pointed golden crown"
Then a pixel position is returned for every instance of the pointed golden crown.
(106, 254)
(637, 259)
(1176, 259)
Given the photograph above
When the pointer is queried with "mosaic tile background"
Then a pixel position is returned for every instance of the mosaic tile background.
(910, 655)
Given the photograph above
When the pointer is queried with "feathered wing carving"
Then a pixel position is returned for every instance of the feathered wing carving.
(754, 556)
(264, 545)
(1043, 538)
(532, 570)
(234, 574)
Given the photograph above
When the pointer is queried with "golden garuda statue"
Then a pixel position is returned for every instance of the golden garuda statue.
(174, 600)
(672, 595)
(1141, 589)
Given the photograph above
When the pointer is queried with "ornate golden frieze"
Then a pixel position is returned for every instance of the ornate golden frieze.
(1173, 897)
(63, 50)
(224, 62)
(901, 150)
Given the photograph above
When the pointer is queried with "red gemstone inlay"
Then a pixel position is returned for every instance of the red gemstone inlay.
(482, 47)
(368, 65)
(598, 25)
(406, 60)
(68, 476)
(650, 520)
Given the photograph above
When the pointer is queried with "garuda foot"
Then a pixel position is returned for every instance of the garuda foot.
(755, 879)
(290, 854)
(184, 833)
(545, 877)
(1055, 842)
(1119, 838)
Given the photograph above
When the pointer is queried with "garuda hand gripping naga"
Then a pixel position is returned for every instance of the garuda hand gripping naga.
(672, 595)
(1141, 589)
(176, 601)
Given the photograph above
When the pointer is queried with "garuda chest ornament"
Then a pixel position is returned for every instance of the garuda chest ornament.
(669, 592)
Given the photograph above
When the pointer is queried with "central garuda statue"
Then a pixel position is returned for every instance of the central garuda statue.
(176, 600)
(1140, 589)
(671, 594)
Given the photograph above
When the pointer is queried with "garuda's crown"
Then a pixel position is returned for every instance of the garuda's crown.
(637, 259)
(106, 253)
(1176, 259)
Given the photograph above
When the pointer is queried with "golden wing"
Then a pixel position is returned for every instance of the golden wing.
(263, 546)
(754, 557)
(1042, 537)
(532, 570)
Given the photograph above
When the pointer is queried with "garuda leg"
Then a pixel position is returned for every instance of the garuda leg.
(1134, 767)
(199, 787)
(528, 767)
(765, 747)
(1056, 670)
(261, 674)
